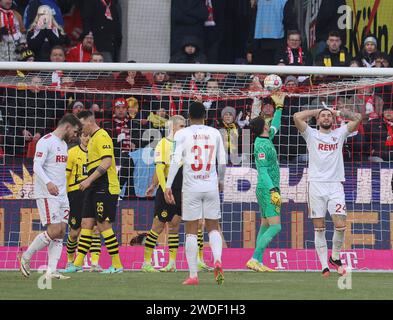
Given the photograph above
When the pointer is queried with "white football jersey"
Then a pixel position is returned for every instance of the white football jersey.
(200, 148)
(51, 153)
(325, 162)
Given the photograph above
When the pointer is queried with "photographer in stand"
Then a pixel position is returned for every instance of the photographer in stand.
(12, 32)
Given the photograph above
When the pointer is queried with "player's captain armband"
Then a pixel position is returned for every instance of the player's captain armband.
(261, 156)
(39, 154)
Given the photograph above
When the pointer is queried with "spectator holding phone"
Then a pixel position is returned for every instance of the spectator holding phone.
(44, 34)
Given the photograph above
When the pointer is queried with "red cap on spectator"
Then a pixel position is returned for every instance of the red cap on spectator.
(119, 102)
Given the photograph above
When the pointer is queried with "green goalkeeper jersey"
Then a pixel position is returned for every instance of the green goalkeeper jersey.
(266, 156)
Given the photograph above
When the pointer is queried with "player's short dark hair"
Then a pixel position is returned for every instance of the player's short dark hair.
(70, 119)
(85, 114)
(257, 125)
(324, 109)
(334, 33)
(196, 111)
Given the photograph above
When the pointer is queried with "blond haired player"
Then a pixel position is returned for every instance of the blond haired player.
(325, 178)
(164, 212)
(50, 192)
(198, 148)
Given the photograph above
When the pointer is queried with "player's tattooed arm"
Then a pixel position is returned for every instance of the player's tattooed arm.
(353, 117)
(101, 169)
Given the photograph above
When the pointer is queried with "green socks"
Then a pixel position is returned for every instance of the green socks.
(265, 235)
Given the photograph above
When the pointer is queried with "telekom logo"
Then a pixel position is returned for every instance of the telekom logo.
(349, 258)
(279, 258)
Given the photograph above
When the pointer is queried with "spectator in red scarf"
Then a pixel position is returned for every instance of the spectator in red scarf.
(84, 50)
(119, 127)
(294, 54)
(12, 32)
(44, 34)
(379, 136)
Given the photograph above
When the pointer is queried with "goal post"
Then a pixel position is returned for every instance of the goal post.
(33, 96)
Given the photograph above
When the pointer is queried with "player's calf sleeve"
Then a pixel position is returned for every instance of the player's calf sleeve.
(95, 249)
(150, 244)
(257, 253)
(338, 241)
(192, 254)
(266, 238)
(215, 242)
(83, 246)
(39, 242)
(112, 246)
(54, 253)
(200, 244)
(321, 246)
(173, 244)
(71, 248)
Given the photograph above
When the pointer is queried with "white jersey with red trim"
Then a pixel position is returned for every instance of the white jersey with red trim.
(326, 163)
(50, 162)
(200, 148)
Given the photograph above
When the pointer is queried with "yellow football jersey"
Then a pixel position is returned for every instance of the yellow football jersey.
(101, 146)
(76, 167)
(162, 154)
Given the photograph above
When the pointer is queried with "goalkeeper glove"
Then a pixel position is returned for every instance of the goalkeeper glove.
(278, 99)
(275, 197)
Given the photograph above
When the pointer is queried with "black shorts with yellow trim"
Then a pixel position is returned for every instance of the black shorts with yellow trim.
(100, 204)
(75, 199)
(163, 211)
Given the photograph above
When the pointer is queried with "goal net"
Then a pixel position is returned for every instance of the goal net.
(31, 103)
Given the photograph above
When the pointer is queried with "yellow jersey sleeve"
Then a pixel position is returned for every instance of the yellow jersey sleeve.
(159, 152)
(70, 159)
(104, 145)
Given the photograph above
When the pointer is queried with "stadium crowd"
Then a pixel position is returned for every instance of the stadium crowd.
(135, 102)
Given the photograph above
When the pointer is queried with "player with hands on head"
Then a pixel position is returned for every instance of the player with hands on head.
(326, 176)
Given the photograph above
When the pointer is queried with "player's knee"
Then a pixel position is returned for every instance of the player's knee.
(158, 227)
(174, 226)
(277, 227)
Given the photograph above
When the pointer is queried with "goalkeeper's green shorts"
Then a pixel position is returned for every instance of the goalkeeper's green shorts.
(267, 208)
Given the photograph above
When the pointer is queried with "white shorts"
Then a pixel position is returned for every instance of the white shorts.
(326, 196)
(198, 205)
(53, 210)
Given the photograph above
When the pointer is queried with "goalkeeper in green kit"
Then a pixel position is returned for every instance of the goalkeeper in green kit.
(268, 186)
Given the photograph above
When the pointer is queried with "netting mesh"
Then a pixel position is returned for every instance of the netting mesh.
(31, 103)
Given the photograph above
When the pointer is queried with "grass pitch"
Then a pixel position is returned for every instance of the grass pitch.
(237, 286)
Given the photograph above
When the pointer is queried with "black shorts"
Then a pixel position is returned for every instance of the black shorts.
(76, 204)
(163, 211)
(100, 204)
